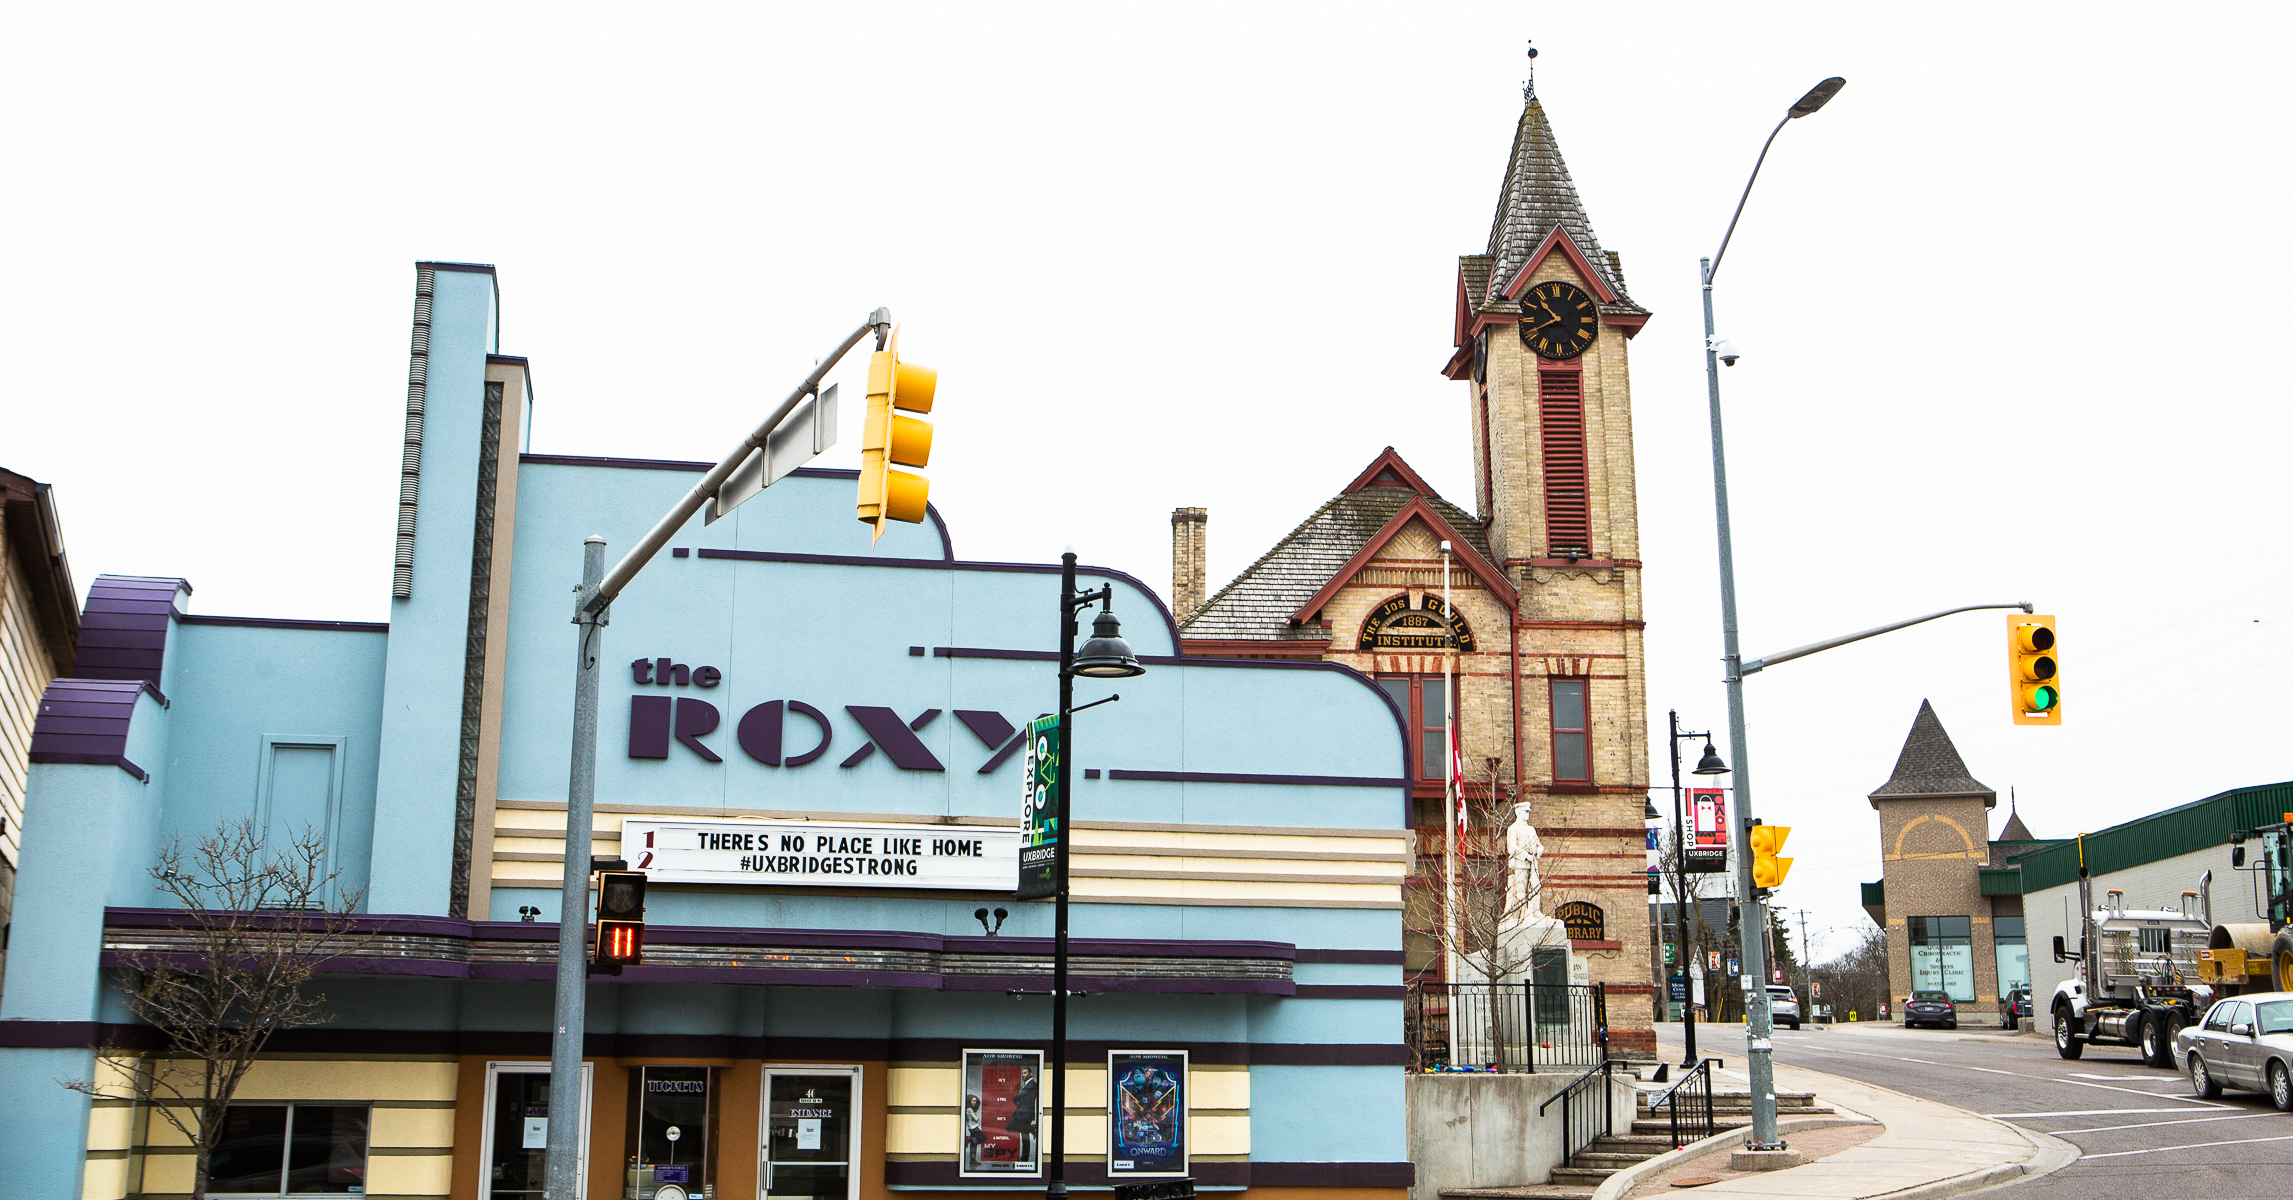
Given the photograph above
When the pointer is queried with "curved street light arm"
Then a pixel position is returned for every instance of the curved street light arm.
(1714, 269)
(1758, 664)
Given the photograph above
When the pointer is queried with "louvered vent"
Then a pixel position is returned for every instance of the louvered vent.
(1568, 497)
(410, 464)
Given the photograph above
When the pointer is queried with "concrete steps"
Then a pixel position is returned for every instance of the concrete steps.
(1649, 1136)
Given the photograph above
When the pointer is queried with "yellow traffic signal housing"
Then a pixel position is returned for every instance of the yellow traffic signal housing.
(2033, 674)
(889, 438)
(1768, 870)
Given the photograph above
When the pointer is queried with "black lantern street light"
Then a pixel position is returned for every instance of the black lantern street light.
(1105, 656)
(1710, 764)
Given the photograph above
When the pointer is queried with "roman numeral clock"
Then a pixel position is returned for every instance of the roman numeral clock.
(1558, 320)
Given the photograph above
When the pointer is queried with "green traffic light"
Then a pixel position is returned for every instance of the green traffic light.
(2042, 699)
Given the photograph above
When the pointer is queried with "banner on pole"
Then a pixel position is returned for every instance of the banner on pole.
(1707, 849)
(1039, 812)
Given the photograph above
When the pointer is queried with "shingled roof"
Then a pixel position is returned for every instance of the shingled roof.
(1258, 604)
(1538, 196)
(1930, 765)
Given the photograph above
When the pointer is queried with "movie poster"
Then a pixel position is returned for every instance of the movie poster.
(1002, 1113)
(1148, 1103)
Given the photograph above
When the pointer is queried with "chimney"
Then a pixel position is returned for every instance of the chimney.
(1188, 532)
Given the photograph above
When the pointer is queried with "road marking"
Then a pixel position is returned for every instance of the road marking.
(2056, 1079)
(2133, 1078)
(2092, 1113)
(2155, 1124)
(2199, 1146)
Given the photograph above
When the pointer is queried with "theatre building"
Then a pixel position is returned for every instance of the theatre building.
(813, 746)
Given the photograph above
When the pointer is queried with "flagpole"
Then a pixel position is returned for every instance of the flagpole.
(1454, 802)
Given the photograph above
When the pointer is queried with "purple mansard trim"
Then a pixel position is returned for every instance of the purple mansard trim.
(123, 627)
(1239, 777)
(86, 721)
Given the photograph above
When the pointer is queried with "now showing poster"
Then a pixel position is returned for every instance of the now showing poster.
(1002, 1114)
(1147, 1107)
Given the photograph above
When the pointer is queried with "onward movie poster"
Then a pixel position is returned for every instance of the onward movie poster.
(1149, 1103)
(1002, 1109)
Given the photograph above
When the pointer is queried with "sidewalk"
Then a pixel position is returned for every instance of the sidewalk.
(1927, 1150)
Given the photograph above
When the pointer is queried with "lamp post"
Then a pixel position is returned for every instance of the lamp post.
(1710, 764)
(1758, 1028)
(1105, 656)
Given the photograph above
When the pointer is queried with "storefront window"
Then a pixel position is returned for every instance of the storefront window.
(2013, 954)
(672, 1130)
(290, 1150)
(1942, 956)
(517, 1130)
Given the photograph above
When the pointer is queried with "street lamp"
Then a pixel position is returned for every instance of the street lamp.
(1105, 656)
(1710, 764)
(1759, 1030)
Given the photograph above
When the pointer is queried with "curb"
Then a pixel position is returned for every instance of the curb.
(1625, 1180)
(2050, 1154)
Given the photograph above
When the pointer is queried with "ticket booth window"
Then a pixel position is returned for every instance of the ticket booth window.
(672, 1144)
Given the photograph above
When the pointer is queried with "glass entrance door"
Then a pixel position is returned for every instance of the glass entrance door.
(811, 1133)
(517, 1129)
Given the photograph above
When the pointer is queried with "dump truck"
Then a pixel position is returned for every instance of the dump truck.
(2257, 956)
(2136, 971)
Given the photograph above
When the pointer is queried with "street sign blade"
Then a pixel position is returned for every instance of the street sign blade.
(799, 438)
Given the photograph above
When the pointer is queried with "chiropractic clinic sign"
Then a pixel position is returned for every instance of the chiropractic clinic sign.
(821, 854)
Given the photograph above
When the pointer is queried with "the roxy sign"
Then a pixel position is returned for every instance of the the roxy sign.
(820, 854)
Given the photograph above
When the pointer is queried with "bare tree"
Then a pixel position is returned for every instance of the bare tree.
(1470, 938)
(1857, 980)
(257, 923)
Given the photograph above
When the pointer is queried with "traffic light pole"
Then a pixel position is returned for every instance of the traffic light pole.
(561, 1162)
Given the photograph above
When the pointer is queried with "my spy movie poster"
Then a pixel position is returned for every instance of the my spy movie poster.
(1039, 812)
(1149, 1106)
(1002, 1113)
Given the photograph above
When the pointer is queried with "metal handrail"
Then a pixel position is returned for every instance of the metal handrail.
(1703, 1065)
(1700, 1122)
(1574, 1140)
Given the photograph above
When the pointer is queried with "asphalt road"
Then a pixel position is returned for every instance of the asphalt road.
(2138, 1128)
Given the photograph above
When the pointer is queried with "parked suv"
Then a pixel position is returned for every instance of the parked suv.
(1783, 1005)
(2017, 1006)
(1931, 1008)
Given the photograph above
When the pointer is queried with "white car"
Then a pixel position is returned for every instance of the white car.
(1783, 1005)
(2244, 1042)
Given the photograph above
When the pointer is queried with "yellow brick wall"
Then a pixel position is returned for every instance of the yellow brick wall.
(925, 1102)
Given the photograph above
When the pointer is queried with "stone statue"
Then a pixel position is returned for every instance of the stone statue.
(1523, 849)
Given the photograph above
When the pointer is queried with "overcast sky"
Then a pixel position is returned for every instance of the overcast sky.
(2011, 310)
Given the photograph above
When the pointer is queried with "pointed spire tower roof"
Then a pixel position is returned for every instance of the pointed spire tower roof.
(1539, 197)
(1930, 765)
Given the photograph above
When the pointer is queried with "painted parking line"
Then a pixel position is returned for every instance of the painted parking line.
(2088, 1112)
(2132, 1078)
(2198, 1146)
(2156, 1124)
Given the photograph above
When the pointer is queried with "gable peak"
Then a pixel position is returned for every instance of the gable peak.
(1388, 470)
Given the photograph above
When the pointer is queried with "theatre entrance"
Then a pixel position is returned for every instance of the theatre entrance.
(811, 1135)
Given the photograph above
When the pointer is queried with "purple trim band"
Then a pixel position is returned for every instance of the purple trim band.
(1378, 958)
(708, 935)
(1349, 991)
(473, 268)
(1081, 1172)
(1237, 777)
(287, 623)
(57, 1035)
(1332, 1174)
(514, 360)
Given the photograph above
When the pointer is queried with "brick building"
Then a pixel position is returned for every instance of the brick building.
(1544, 580)
(1951, 926)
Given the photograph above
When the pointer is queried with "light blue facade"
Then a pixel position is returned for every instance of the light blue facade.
(789, 601)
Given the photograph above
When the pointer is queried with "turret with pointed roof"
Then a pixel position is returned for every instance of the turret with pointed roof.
(1930, 765)
(1539, 197)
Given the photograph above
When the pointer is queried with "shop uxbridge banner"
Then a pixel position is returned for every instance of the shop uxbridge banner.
(1148, 1104)
(1039, 812)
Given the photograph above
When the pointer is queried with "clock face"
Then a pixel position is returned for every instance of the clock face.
(1558, 320)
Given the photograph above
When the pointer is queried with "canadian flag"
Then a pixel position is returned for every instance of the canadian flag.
(1457, 783)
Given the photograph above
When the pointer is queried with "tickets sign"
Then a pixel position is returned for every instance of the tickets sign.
(822, 854)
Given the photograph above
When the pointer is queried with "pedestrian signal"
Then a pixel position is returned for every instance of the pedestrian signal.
(2033, 672)
(620, 921)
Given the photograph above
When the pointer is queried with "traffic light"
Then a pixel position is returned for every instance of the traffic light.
(1768, 870)
(895, 387)
(2031, 670)
(620, 921)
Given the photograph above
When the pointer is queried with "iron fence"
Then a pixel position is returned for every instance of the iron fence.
(1507, 1027)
